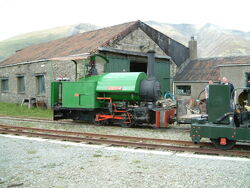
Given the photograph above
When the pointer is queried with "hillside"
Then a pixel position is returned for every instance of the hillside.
(212, 40)
(11, 45)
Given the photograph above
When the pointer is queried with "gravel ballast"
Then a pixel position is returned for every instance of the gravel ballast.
(34, 162)
(174, 132)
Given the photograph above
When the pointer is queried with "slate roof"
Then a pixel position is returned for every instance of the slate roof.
(89, 42)
(205, 69)
(78, 44)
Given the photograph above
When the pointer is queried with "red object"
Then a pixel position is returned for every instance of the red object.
(223, 141)
(157, 119)
(168, 114)
(76, 94)
(114, 88)
(101, 117)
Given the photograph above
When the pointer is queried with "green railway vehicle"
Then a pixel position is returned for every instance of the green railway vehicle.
(125, 98)
(226, 122)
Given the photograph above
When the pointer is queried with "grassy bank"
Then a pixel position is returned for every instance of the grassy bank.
(11, 109)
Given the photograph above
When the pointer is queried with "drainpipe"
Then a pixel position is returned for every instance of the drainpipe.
(51, 72)
(75, 69)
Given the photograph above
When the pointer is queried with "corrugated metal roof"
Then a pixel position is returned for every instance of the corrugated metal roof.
(207, 68)
(87, 42)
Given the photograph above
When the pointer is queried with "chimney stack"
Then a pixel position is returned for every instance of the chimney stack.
(192, 44)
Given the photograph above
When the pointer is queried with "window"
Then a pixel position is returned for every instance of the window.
(183, 90)
(40, 84)
(4, 85)
(20, 84)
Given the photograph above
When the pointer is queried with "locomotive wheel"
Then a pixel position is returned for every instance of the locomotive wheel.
(99, 123)
(229, 144)
(104, 122)
(126, 125)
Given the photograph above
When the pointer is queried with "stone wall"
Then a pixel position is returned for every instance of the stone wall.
(51, 71)
(137, 41)
(235, 74)
(196, 88)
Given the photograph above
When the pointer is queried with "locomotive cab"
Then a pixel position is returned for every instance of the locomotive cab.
(226, 122)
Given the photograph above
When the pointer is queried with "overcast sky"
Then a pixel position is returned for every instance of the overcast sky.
(21, 16)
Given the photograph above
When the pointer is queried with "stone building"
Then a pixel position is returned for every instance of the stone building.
(28, 73)
(193, 76)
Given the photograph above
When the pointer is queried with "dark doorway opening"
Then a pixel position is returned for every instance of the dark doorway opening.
(247, 79)
(247, 76)
(136, 66)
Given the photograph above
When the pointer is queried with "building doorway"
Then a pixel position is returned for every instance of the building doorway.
(136, 66)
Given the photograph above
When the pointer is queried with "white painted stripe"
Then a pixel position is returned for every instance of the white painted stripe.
(139, 151)
(54, 141)
(109, 148)
(188, 155)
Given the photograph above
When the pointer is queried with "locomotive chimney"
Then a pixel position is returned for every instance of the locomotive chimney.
(151, 65)
(150, 89)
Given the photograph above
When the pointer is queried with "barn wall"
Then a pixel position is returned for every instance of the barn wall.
(139, 41)
(196, 88)
(235, 74)
(51, 71)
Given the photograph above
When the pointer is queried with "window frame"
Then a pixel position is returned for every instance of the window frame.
(20, 81)
(184, 93)
(40, 89)
(3, 90)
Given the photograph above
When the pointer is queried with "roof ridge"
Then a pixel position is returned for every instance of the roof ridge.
(220, 57)
(121, 34)
(68, 37)
(72, 44)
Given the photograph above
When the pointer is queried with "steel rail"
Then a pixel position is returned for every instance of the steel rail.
(131, 144)
(139, 139)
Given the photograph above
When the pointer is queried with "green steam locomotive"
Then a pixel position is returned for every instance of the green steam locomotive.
(125, 98)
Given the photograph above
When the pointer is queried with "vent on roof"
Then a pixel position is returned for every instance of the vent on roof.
(18, 50)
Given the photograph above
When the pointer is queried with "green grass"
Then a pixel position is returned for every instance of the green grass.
(97, 155)
(11, 109)
(31, 151)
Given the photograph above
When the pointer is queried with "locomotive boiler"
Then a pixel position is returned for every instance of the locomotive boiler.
(124, 98)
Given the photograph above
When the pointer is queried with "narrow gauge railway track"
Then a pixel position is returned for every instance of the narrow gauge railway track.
(67, 122)
(115, 140)
(35, 120)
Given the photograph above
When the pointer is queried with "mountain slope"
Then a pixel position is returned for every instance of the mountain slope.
(212, 40)
(11, 45)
